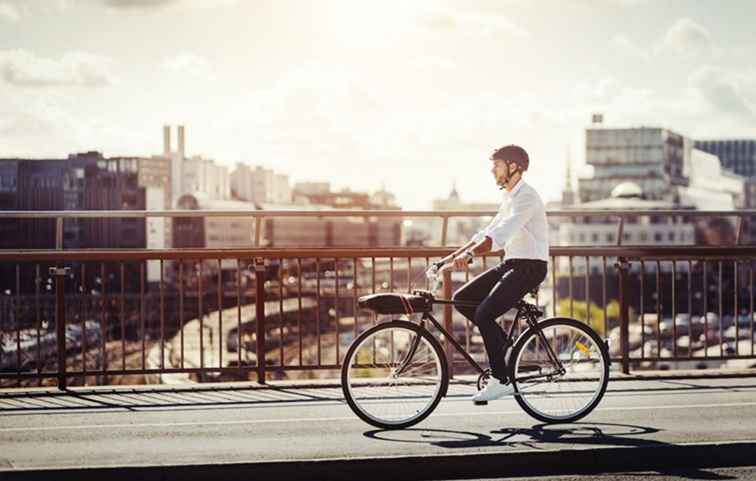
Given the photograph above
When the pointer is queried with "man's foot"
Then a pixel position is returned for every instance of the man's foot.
(494, 389)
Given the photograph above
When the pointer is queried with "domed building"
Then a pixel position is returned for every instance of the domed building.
(636, 230)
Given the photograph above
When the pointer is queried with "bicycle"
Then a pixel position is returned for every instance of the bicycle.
(395, 373)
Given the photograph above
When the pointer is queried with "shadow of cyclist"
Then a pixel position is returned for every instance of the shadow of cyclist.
(555, 436)
(535, 437)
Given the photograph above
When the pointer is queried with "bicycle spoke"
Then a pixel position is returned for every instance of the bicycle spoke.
(400, 390)
(545, 391)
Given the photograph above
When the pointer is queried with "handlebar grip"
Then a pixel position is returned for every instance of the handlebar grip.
(438, 264)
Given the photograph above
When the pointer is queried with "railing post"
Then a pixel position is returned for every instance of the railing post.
(448, 323)
(260, 317)
(623, 266)
(59, 233)
(60, 321)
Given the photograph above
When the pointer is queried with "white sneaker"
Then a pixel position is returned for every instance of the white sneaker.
(494, 389)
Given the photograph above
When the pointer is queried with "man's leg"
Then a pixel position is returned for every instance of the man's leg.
(513, 285)
(476, 290)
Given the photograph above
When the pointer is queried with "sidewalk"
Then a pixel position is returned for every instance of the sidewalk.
(302, 430)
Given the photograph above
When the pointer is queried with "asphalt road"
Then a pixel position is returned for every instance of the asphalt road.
(104, 428)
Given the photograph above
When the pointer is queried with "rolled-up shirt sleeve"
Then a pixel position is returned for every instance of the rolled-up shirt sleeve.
(523, 209)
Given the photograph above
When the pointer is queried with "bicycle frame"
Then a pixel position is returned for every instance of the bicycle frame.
(529, 312)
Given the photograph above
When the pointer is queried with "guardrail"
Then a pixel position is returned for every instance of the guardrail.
(262, 313)
(177, 326)
(620, 216)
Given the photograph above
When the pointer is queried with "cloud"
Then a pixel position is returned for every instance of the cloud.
(630, 3)
(157, 4)
(24, 69)
(626, 46)
(687, 38)
(9, 12)
(188, 63)
(138, 3)
(444, 21)
(56, 6)
(38, 124)
(720, 90)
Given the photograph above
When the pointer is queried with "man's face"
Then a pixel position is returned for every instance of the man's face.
(499, 170)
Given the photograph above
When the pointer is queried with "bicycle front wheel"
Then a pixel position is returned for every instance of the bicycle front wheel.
(562, 391)
(394, 375)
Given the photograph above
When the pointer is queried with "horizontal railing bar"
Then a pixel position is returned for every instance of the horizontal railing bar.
(186, 370)
(313, 367)
(629, 252)
(76, 214)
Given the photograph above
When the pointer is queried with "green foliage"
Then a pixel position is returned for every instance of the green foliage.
(580, 312)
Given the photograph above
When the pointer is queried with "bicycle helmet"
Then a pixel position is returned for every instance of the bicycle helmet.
(514, 154)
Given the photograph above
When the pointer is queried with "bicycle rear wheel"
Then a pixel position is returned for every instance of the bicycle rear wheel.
(545, 392)
(394, 375)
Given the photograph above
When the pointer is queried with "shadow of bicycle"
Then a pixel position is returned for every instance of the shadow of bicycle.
(550, 436)
(535, 437)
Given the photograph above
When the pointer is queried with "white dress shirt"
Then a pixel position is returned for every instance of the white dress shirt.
(520, 226)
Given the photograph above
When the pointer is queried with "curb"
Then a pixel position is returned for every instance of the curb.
(336, 383)
(655, 456)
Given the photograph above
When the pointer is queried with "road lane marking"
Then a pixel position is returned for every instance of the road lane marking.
(481, 412)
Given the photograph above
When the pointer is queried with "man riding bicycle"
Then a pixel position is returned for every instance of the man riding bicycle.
(519, 229)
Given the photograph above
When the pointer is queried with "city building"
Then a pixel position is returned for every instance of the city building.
(737, 155)
(311, 188)
(281, 189)
(711, 186)
(652, 158)
(213, 232)
(204, 176)
(195, 174)
(85, 181)
(155, 177)
(637, 230)
(665, 166)
(260, 185)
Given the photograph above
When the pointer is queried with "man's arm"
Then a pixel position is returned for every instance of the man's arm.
(484, 246)
(456, 253)
(461, 260)
(479, 244)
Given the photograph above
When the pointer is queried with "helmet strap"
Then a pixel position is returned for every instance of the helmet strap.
(509, 176)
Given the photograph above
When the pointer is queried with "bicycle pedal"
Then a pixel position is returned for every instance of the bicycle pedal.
(480, 403)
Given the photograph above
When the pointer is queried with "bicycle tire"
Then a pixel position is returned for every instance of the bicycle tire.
(522, 396)
(357, 405)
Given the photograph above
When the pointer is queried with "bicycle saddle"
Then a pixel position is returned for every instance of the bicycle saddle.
(396, 303)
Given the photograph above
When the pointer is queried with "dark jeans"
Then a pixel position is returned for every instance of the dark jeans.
(497, 290)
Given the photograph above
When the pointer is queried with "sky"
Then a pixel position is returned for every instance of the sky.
(410, 95)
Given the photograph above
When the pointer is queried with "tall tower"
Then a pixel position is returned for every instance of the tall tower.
(166, 140)
(181, 140)
(568, 196)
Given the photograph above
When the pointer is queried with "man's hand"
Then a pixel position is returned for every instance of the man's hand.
(449, 266)
(461, 262)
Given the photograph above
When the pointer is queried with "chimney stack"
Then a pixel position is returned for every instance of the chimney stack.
(181, 151)
(166, 140)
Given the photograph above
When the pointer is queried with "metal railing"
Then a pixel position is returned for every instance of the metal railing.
(620, 216)
(266, 313)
